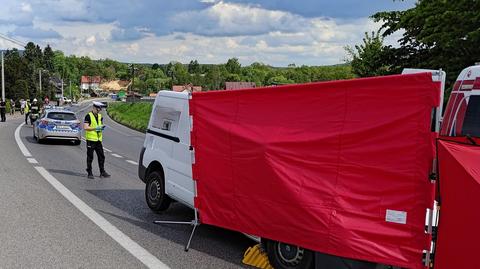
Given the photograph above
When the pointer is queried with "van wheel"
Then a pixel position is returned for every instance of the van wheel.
(286, 256)
(155, 195)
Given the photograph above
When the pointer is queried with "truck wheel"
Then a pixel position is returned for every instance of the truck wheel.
(155, 195)
(286, 256)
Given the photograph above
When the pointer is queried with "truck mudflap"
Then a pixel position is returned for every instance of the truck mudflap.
(141, 168)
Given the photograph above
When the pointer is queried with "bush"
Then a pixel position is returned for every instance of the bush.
(133, 115)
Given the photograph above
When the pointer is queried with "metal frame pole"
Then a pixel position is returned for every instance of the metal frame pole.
(3, 80)
(40, 82)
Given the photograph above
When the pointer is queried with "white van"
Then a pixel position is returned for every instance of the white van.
(166, 159)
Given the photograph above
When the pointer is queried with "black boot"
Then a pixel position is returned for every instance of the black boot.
(104, 174)
(90, 175)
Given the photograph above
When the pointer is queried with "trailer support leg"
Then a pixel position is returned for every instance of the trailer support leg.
(194, 223)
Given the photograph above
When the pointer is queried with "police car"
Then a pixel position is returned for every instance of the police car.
(57, 123)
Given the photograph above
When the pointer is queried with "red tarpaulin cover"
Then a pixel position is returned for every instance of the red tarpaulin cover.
(320, 165)
(458, 236)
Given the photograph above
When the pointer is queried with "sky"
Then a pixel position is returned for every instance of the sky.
(274, 32)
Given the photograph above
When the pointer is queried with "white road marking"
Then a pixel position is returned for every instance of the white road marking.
(20, 144)
(126, 242)
(32, 160)
(132, 162)
(116, 155)
(122, 239)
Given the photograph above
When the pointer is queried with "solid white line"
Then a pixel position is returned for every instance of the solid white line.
(107, 150)
(132, 162)
(20, 144)
(126, 242)
(32, 160)
(116, 155)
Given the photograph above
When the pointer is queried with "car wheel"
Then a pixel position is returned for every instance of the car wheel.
(286, 256)
(155, 195)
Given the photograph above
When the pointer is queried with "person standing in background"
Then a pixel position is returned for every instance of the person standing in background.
(22, 106)
(12, 107)
(27, 110)
(3, 108)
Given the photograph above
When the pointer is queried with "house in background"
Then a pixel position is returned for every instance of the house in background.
(188, 87)
(90, 82)
(239, 85)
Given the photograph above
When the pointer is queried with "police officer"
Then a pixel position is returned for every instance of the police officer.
(93, 126)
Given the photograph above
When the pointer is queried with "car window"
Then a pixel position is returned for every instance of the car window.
(471, 123)
(61, 116)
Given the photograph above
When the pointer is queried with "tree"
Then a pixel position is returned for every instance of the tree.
(233, 66)
(436, 34)
(368, 59)
(279, 80)
(48, 58)
(178, 73)
(194, 67)
(213, 79)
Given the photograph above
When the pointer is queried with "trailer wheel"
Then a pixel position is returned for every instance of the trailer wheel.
(286, 256)
(155, 195)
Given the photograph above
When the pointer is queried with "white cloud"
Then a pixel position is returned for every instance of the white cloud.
(26, 7)
(211, 33)
(91, 40)
(133, 48)
(227, 19)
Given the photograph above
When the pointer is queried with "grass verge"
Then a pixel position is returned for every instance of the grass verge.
(133, 115)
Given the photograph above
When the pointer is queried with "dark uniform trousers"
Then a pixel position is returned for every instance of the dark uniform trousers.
(98, 148)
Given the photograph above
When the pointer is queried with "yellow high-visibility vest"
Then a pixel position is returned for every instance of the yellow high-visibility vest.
(94, 135)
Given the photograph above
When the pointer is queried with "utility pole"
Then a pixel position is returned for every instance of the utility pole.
(70, 87)
(16, 42)
(3, 80)
(133, 81)
(40, 81)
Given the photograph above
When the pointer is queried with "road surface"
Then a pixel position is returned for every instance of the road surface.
(54, 217)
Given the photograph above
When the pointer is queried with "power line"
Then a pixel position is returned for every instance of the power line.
(17, 42)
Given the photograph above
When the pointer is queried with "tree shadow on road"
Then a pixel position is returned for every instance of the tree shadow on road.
(224, 244)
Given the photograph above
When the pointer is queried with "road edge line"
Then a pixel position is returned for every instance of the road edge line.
(19, 141)
(122, 239)
(118, 236)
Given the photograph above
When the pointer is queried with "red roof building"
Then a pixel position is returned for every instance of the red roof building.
(239, 85)
(90, 82)
(189, 87)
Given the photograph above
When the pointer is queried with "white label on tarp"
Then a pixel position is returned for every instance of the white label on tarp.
(396, 216)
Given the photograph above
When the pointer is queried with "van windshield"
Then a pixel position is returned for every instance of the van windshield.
(471, 123)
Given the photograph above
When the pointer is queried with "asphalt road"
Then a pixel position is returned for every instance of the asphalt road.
(41, 229)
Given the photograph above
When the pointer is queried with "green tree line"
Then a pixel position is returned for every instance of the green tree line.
(436, 34)
(22, 73)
